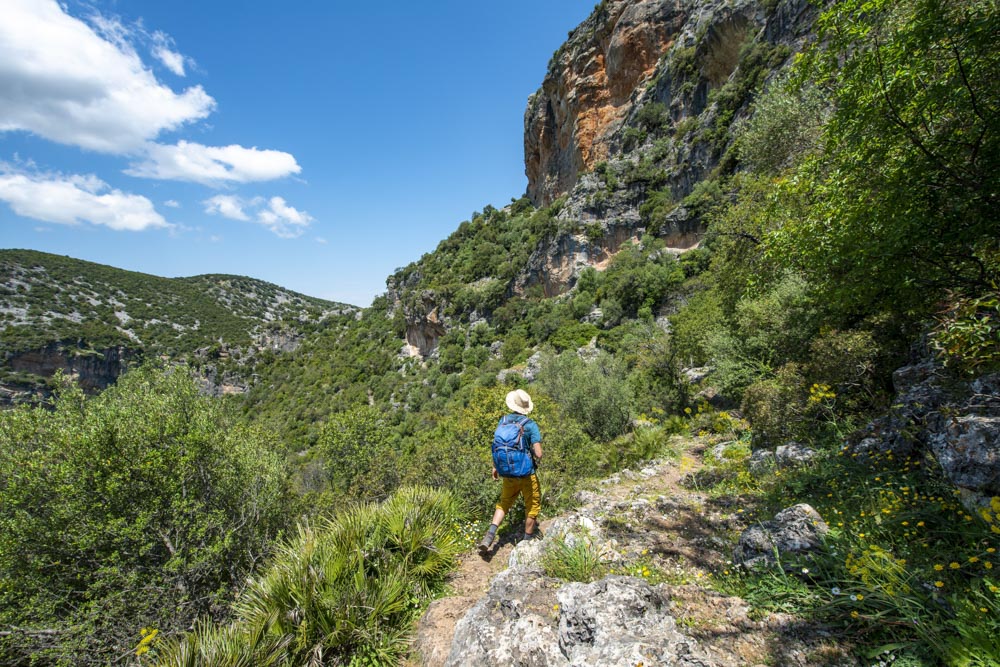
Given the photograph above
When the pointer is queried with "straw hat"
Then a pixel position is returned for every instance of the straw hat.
(519, 401)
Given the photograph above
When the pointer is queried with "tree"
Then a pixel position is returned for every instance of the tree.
(144, 506)
(359, 454)
(904, 195)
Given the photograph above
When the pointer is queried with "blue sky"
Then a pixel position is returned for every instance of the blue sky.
(316, 145)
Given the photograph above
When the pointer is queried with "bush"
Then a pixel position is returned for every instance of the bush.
(595, 394)
(967, 335)
(144, 506)
(787, 124)
(344, 591)
(359, 453)
(775, 407)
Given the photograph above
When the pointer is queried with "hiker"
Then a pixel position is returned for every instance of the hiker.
(517, 448)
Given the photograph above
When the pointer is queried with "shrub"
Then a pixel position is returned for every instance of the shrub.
(343, 591)
(775, 407)
(967, 335)
(359, 453)
(595, 393)
(787, 123)
(143, 506)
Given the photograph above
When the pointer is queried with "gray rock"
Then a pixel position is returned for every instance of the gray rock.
(534, 367)
(696, 375)
(762, 461)
(621, 621)
(525, 620)
(969, 453)
(530, 371)
(794, 454)
(512, 625)
(795, 530)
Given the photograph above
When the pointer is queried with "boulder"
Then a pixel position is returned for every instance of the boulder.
(968, 450)
(621, 621)
(795, 530)
(762, 461)
(793, 454)
(528, 619)
(511, 625)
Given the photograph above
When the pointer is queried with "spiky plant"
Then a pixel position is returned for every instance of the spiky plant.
(342, 590)
(228, 646)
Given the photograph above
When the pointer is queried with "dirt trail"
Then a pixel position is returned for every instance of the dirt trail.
(685, 534)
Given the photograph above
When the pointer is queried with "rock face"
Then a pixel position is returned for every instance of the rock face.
(421, 312)
(589, 90)
(969, 453)
(94, 369)
(796, 530)
(626, 109)
(957, 421)
(630, 52)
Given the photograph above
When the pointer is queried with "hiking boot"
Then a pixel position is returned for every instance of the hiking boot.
(486, 542)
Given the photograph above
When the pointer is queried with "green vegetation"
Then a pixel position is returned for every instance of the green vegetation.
(343, 591)
(217, 320)
(144, 506)
(861, 219)
(573, 557)
(905, 566)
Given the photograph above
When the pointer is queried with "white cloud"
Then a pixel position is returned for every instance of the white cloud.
(321, 240)
(228, 206)
(163, 51)
(213, 165)
(282, 219)
(172, 203)
(274, 213)
(67, 82)
(70, 200)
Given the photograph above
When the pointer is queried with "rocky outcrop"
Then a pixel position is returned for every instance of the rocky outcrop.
(590, 89)
(793, 531)
(421, 311)
(557, 264)
(528, 619)
(93, 370)
(626, 109)
(632, 52)
(956, 421)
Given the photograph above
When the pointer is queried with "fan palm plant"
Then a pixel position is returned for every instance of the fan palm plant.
(341, 591)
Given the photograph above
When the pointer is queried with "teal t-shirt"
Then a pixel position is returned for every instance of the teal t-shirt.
(531, 434)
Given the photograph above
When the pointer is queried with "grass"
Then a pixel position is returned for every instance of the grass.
(905, 570)
(573, 557)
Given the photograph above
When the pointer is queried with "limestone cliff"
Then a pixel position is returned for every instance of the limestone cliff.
(643, 99)
(590, 89)
(636, 116)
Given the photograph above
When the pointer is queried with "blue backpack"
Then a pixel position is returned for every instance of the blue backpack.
(510, 457)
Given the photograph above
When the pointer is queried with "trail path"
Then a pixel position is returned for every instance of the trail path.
(685, 534)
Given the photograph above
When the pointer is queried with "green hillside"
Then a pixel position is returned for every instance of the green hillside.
(48, 300)
(845, 216)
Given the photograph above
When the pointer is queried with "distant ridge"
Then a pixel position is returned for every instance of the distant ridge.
(66, 306)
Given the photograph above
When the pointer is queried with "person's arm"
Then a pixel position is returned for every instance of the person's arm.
(535, 438)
